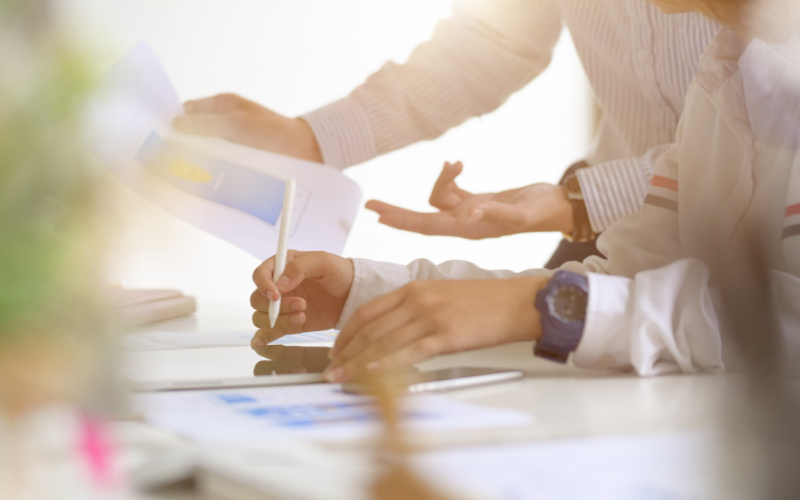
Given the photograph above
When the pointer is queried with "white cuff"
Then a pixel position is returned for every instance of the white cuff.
(371, 279)
(606, 337)
(343, 133)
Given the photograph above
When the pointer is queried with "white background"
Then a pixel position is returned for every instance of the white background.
(294, 56)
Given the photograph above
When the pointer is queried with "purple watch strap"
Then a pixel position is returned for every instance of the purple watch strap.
(559, 337)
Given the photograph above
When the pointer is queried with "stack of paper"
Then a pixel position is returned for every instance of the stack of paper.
(142, 307)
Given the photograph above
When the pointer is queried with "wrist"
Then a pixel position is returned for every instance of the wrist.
(566, 212)
(529, 318)
(308, 146)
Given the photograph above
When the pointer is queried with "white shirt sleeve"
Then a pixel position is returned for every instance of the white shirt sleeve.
(661, 321)
(650, 309)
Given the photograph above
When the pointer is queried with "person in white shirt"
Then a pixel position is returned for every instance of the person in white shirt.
(649, 305)
(639, 61)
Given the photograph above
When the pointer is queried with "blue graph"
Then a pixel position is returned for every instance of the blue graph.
(233, 399)
(213, 179)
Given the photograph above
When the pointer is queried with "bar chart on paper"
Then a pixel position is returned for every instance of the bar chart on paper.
(218, 180)
(228, 190)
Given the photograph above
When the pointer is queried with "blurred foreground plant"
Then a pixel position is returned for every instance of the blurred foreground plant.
(48, 313)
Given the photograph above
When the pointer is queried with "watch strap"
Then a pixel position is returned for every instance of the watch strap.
(582, 226)
(558, 338)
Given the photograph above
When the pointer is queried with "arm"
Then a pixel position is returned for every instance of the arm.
(475, 60)
(611, 190)
(650, 310)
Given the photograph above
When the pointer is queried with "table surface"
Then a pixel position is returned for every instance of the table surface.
(564, 401)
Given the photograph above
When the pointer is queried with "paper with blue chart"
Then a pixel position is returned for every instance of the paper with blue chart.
(231, 191)
(315, 411)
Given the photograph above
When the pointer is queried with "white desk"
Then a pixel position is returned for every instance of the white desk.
(565, 401)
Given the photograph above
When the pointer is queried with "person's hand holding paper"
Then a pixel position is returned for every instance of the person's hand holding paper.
(245, 122)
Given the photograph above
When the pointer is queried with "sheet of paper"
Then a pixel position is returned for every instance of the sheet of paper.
(674, 466)
(231, 191)
(317, 412)
(162, 340)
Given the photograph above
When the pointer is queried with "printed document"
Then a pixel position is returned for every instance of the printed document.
(308, 412)
(231, 191)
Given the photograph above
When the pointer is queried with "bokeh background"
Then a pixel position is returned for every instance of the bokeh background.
(294, 56)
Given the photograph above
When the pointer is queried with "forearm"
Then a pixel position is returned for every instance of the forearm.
(373, 279)
(475, 60)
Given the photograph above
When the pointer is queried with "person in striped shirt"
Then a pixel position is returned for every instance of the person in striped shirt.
(651, 305)
(639, 61)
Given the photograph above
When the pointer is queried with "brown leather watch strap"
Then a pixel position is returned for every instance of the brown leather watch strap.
(582, 227)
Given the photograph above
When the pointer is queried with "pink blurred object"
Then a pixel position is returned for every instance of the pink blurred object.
(96, 450)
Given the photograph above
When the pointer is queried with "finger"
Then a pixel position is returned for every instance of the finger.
(425, 347)
(413, 339)
(380, 207)
(302, 266)
(514, 216)
(373, 332)
(289, 305)
(226, 126)
(432, 224)
(288, 322)
(262, 277)
(264, 336)
(218, 104)
(444, 195)
(365, 314)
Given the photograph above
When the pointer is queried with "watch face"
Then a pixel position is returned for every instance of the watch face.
(568, 303)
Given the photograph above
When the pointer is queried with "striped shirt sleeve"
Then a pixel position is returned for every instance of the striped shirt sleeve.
(343, 132)
(472, 64)
(615, 189)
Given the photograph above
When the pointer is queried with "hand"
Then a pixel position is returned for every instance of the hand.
(429, 318)
(238, 120)
(314, 287)
(292, 359)
(538, 207)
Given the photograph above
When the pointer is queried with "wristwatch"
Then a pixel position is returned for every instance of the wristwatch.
(581, 225)
(562, 308)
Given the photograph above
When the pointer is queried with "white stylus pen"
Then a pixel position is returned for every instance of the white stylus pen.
(283, 247)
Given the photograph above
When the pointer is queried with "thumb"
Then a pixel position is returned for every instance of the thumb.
(509, 215)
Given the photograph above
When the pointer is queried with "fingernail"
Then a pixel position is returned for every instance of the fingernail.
(269, 295)
(297, 306)
(476, 215)
(332, 353)
(297, 319)
(257, 343)
(335, 375)
(374, 366)
(281, 284)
